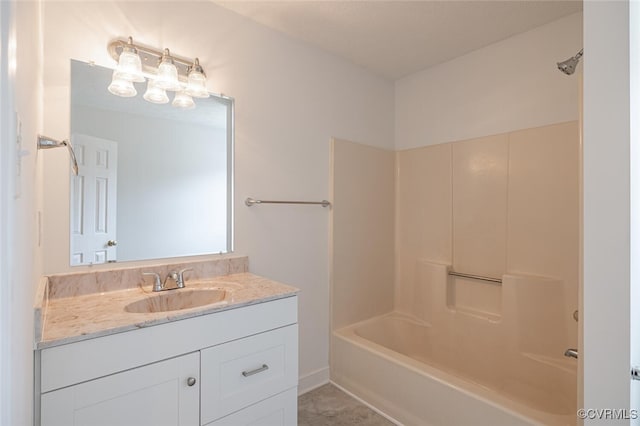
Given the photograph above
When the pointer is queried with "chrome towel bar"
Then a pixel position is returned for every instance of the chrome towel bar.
(250, 202)
(475, 277)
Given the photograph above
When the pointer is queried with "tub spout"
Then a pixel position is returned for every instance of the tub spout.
(572, 353)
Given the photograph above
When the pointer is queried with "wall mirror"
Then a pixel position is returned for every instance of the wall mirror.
(154, 181)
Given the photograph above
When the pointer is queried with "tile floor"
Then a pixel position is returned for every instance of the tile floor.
(328, 405)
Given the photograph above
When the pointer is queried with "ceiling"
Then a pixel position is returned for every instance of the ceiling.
(397, 38)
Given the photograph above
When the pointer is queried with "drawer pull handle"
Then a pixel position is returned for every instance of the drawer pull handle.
(264, 367)
(191, 381)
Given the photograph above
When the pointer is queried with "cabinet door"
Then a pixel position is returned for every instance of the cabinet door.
(279, 410)
(153, 395)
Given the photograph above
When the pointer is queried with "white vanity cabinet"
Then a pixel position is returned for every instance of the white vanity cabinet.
(235, 367)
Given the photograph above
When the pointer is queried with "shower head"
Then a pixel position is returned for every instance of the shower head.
(569, 66)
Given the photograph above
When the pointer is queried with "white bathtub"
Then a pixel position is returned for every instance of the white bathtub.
(419, 376)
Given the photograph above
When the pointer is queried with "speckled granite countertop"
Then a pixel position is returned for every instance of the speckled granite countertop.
(75, 317)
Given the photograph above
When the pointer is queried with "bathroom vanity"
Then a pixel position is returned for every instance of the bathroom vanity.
(109, 350)
(233, 361)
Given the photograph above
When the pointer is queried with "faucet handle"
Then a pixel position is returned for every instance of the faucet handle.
(157, 286)
(180, 279)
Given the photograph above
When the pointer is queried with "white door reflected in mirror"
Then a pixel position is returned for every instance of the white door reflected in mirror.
(93, 200)
(154, 178)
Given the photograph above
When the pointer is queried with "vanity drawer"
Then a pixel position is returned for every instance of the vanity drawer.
(278, 410)
(237, 374)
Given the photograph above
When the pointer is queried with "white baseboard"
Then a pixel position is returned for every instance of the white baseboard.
(362, 401)
(313, 380)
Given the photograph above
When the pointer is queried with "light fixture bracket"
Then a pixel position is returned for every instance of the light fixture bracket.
(151, 57)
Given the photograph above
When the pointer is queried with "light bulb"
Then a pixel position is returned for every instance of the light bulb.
(121, 87)
(167, 77)
(155, 94)
(130, 67)
(196, 85)
(129, 64)
(182, 100)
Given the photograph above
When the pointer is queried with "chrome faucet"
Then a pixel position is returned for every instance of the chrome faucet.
(177, 276)
(157, 286)
(571, 353)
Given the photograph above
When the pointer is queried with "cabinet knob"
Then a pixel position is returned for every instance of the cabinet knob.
(191, 381)
(112, 243)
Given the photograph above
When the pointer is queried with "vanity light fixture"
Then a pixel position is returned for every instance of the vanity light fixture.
(167, 77)
(121, 87)
(184, 101)
(164, 72)
(129, 64)
(155, 94)
(196, 81)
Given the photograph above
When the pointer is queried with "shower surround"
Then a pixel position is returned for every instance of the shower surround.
(503, 206)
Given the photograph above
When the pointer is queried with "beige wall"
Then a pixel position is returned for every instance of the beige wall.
(504, 204)
(362, 229)
(494, 206)
(424, 215)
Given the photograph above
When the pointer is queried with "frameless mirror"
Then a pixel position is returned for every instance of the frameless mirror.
(154, 181)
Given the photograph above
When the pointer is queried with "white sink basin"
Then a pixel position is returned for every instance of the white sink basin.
(175, 300)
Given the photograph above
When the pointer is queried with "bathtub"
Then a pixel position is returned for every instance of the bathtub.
(418, 375)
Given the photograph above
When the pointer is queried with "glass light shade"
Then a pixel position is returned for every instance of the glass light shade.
(155, 94)
(196, 85)
(121, 87)
(167, 77)
(182, 100)
(130, 66)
